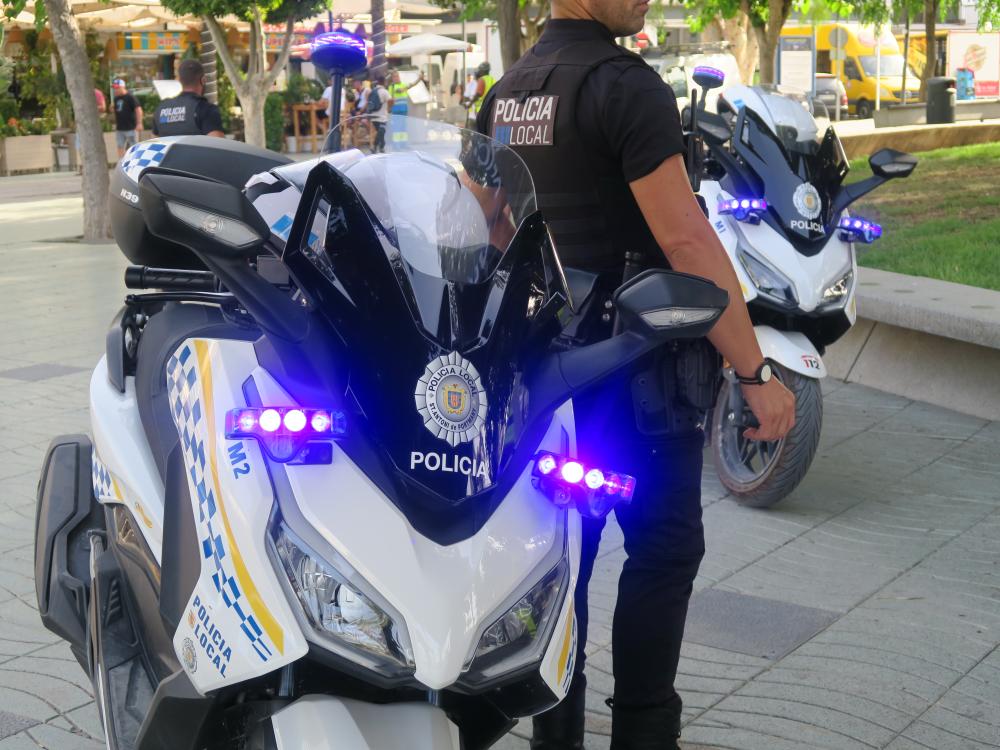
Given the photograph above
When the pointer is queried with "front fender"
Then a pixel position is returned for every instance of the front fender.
(792, 350)
(324, 722)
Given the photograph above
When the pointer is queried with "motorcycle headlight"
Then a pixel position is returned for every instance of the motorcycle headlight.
(522, 633)
(836, 293)
(350, 623)
(770, 282)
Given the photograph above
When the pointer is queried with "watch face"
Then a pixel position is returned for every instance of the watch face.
(765, 372)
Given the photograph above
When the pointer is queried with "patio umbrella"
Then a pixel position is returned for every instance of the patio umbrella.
(427, 44)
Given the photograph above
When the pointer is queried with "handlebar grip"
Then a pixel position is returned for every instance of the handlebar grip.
(145, 277)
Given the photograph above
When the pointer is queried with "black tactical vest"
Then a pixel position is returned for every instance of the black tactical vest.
(582, 194)
(177, 116)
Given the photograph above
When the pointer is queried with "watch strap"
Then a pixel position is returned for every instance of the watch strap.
(756, 378)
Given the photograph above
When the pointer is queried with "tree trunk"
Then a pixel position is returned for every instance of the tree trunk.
(509, 27)
(768, 37)
(253, 118)
(252, 88)
(766, 55)
(379, 66)
(931, 9)
(208, 63)
(742, 40)
(94, 157)
(533, 23)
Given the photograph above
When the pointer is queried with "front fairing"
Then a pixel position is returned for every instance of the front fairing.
(800, 179)
(446, 594)
(810, 274)
(429, 265)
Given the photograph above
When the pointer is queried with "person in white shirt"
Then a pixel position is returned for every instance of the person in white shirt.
(380, 117)
(359, 115)
(327, 101)
(469, 95)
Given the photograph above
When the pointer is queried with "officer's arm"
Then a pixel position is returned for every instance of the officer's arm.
(682, 231)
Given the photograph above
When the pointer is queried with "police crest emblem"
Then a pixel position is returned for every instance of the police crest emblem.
(450, 398)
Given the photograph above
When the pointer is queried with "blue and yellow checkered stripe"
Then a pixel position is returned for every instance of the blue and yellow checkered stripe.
(104, 484)
(143, 155)
(188, 414)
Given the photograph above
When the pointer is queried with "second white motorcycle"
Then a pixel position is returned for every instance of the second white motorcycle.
(772, 184)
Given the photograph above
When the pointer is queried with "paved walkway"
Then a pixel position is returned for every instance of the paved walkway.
(864, 612)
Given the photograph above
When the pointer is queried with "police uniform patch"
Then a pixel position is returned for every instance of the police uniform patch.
(528, 123)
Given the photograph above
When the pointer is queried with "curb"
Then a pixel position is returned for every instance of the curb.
(926, 340)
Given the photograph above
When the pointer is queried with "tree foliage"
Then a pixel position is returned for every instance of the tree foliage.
(525, 21)
(253, 84)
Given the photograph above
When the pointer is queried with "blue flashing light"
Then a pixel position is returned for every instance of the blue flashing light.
(567, 480)
(706, 70)
(856, 229)
(745, 209)
(340, 52)
(284, 432)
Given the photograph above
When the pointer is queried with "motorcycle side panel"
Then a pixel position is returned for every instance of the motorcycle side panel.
(728, 235)
(452, 592)
(321, 722)
(791, 349)
(560, 657)
(810, 275)
(124, 470)
(238, 623)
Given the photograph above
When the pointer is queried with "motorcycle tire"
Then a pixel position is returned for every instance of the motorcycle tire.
(759, 475)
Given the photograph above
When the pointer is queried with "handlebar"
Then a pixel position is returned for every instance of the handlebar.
(174, 279)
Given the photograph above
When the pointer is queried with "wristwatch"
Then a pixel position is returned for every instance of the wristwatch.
(763, 374)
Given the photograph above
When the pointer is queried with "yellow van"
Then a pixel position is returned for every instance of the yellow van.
(857, 70)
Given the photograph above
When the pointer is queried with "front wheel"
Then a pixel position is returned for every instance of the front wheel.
(864, 109)
(759, 474)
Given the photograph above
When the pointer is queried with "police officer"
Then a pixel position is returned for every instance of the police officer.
(484, 82)
(189, 113)
(601, 134)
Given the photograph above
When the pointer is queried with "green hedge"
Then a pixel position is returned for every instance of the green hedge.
(274, 121)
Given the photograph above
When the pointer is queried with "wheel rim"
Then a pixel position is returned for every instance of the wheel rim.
(748, 462)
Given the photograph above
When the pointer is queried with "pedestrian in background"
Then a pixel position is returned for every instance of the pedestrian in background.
(379, 103)
(189, 113)
(484, 82)
(128, 116)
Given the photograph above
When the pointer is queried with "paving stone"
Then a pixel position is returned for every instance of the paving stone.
(53, 738)
(751, 625)
(13, 723)
(34, 373)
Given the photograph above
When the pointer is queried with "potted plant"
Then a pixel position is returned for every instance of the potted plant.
(25, 146)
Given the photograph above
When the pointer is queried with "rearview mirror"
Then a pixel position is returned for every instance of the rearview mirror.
(209, 217)
(670, 305)
(708, 78)
(888, 163)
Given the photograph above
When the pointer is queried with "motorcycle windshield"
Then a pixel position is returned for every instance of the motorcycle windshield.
(428, 262)
(801, 167)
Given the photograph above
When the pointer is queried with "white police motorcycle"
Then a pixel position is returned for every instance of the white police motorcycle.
(332, 495)
(772, 186)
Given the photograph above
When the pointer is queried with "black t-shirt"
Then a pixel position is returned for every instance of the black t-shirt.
(187, 114)
(125, 107)
(624, 110)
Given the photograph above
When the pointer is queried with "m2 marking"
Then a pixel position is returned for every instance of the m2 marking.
(238, 460)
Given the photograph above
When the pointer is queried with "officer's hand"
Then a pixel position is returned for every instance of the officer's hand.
(774, 407)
